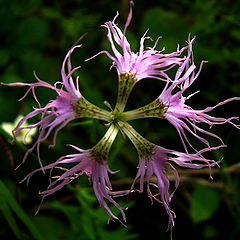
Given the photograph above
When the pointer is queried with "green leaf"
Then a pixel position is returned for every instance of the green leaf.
(4, 57)
(88, 226)
(11, 202)
(205, 202)
(35, 31)
(52, 228)
(10, 218)
(85, 194)
(70, 211)
(51, 13)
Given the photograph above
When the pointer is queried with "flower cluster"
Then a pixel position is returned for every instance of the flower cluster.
(154, 160)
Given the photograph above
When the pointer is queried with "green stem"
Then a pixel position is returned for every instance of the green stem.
(154, 109)
(84, 108)
(126, 83)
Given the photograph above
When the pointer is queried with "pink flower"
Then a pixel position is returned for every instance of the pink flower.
(149, 63)
(93, 163)
(68, 105)
(153, 161)
(182, 116)
(155, 164)
(171, 105)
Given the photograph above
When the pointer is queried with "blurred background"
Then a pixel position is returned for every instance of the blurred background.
(36, 35)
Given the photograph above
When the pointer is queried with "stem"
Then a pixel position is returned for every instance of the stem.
(154, 109)
(126, 83)
(84, 108)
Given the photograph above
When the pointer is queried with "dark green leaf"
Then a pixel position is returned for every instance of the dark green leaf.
(205, 201)
(19, 211)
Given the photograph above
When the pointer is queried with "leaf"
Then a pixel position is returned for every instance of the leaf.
(75, 217)
(32, 31)
(4, 57)
(52, 228)
(70, 211)
(88, 226)
(10, 218)
(17, 143)
(205, 202)
(84, 194)
(11, 202)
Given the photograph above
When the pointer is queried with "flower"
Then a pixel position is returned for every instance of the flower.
(156, 165)
(171, 105)
(149, 63)
(182, 116)
(93, 163)
(154, 160)
(23, 136)
(131, 66)
(68, 105)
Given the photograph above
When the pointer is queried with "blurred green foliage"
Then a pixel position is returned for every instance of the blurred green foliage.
(204, 203)
(35, 35)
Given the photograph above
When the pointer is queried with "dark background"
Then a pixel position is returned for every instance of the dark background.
(36, 35)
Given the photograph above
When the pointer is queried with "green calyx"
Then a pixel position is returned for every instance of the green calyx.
(143, 146)
(126, 83)
(100, 151)
(84, 108)
(117, 119)
(154, 109)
